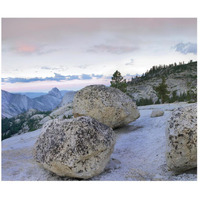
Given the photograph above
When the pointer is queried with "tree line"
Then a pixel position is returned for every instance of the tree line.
(161, 90)
(165, 70)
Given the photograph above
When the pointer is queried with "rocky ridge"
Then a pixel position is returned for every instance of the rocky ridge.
(15, 104)
(179, 78)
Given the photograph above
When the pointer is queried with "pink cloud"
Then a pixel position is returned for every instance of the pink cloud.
(26, 49)
(112, 49)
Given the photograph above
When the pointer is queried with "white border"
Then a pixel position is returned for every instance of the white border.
(100, 190)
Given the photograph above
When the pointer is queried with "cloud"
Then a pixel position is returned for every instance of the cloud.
(112, 49)
(56, 77)
(73, 77)
(45, 67)
(186, 48)
(26, 49)
(17, 80)
(86, 76)
(83, 66)
(130, 63)
(60, 68)
(48, 29)
(43, 51)
(97, 76)
(29, 49)
(23, 49)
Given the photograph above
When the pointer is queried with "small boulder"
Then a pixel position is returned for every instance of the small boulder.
(108, 105)
(157, 113)
(79, 147)
(181, 134)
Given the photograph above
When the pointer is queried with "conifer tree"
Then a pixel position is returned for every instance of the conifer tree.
(118, 82)
(162, 91)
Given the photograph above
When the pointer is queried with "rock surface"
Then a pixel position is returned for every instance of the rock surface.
(180, 80)
(157, 113)
(37, 116)
(108, 105)
(78, 147)
(181, 134)
(60, 112)
(131, 160)
(44, 120)
(68, 98)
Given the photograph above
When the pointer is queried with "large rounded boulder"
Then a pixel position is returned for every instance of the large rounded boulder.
(79, 147)
(181, 133)
(108, 105)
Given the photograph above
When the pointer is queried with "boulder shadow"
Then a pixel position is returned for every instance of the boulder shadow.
(127, 129)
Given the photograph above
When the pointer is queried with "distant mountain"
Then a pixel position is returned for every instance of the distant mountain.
(14, 104)
(49, 101)
(33, 119)
(32, 94)
(55, 93)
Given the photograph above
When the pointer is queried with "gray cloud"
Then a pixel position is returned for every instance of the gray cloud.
(112, 49)
(22, 80)
(43, 51)
(83, 66)
(51, 68)
(72, 77)
(86, 76)
(131, 62)
(56, 77)
(97, 76)
(45, 67)
(186, 48)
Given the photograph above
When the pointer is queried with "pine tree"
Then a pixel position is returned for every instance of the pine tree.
(174, 97)
(162, 91)
(118, 82)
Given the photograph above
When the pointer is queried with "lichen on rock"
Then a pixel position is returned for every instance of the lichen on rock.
(108, 105)
(79, 147)
(181, 135)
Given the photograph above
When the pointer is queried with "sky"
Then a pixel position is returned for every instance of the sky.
(71, 53)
